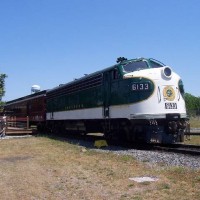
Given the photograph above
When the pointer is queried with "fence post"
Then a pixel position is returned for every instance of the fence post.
(15, 121)
(27, 124)
(6, 124)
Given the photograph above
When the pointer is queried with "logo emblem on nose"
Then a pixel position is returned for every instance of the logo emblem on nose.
(169, 93)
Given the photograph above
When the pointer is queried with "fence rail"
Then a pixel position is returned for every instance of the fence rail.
(18, 122)
(15, 125)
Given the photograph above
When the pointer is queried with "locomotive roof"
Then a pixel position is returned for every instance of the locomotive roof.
(28, 97)
(81, 79)
(123, 61)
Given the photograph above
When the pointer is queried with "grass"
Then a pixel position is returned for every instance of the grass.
(44, 168)
(194, 140)
(195, 122)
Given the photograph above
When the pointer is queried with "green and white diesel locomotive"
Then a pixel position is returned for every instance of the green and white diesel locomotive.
(136, 100)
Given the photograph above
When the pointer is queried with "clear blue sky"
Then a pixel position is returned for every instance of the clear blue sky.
(48, 42)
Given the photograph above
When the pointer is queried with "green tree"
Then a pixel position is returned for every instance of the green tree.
(2, 89)
(192, 104)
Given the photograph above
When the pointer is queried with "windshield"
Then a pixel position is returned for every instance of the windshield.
(141, 64)
(155, 63)
(135, 66)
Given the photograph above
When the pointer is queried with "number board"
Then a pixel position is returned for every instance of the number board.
(141, 86)
(170, 106)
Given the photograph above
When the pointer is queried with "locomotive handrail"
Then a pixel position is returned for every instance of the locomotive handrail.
(159, 95)
(179, 95)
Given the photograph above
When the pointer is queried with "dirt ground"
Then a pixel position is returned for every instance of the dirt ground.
(44, 168)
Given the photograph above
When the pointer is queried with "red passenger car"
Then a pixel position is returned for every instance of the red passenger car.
(31, 108)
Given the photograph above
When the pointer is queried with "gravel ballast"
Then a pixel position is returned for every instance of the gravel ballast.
(152, 158)
(164, 159)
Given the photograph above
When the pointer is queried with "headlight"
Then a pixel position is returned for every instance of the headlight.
(167, 72)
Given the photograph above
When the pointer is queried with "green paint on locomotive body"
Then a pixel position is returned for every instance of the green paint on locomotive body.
(89, 98)
(122, 91)
(107, 87)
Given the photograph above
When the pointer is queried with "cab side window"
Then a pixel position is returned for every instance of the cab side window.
(115, 74)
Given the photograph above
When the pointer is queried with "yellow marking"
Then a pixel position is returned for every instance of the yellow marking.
(100, 143)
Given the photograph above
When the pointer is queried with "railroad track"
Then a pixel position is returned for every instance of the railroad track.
(193, 150)
(194, 131)
(179, 148)
(175, 148)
